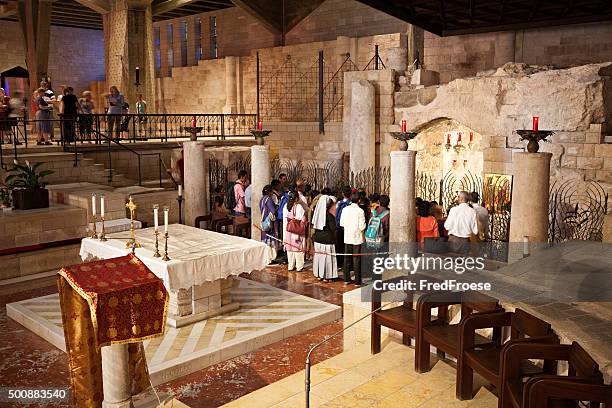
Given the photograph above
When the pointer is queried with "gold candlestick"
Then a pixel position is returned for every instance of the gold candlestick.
(132, 243)
(156, 254)
(166, 257)
(103, 234)
(94, 233)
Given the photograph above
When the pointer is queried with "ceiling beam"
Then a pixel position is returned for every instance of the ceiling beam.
(255, 10)
(101, 6)
(169, 5)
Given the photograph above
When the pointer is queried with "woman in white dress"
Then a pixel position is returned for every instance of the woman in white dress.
(324, 265)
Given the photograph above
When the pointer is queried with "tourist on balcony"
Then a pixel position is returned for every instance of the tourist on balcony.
(141, 110)
(239, 194)
(86, 118)
(4, 111)
(115, 101)
(461, 224)
(70, 109)
(17, 111)
(294, 241)
(43, 118)
(324, 266)
(354, 223)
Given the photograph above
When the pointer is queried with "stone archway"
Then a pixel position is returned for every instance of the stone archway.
(435, 159)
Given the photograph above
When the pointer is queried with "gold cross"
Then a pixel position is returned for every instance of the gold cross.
(132, 207)
(132, 243)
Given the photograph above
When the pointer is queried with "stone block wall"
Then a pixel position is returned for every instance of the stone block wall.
(201, 88)
(76, 56)
(570, 45)
(573, 102)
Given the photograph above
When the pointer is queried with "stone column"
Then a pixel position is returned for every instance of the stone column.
(260, 176)
(402, 234)
(116, 377)
(128, 43)
(416, 44)
(231, 85)
(397, 59)
(362, 126)
(530, 195)
(35, 21)
(196, 181)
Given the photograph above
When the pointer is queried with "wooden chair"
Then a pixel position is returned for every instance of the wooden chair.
(402, 318)
(523, 326)
(439, 332)
(203, 218)
(223, 225)
(242, 227)
(583, 372)
(547, 391)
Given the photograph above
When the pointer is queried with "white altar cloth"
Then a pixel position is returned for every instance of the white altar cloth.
(197, 255)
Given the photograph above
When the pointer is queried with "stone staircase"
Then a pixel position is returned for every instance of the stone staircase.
(62, 163)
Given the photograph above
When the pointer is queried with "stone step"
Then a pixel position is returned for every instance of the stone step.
(608, 139)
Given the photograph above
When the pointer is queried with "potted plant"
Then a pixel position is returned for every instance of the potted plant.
(5, 197)
(29, 190)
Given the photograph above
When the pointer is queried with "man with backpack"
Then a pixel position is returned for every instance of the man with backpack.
(377, 232)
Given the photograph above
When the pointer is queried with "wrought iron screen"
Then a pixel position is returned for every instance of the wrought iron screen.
(576, 211)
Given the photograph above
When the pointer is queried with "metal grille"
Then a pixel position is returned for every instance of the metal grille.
(333, 93)
(427, 187)
(317, 175)
(289, 93)
(576, 211)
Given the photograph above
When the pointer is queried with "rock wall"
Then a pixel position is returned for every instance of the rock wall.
(575, 103)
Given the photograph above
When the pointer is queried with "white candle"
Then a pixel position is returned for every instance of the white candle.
(101, 206)
(180, 190)
(155, 214)
(166, 220)
(93, 205)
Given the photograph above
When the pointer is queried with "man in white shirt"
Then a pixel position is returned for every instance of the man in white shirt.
(353, 222)
(247, 199)
(461, 224)
(482, 217)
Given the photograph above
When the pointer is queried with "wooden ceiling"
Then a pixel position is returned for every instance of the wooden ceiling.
(454, 17)
(442, 17)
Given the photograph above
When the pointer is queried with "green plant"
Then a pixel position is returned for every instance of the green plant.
(26, 176)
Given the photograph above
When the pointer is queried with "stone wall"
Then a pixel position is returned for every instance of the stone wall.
(574, 103)
(238, 33)
(465, 55)
(202, 89)
(76, 56)
(348, 18)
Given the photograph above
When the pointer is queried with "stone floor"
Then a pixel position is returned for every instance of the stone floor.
(357, 379)
(266, 315)
(33, 362)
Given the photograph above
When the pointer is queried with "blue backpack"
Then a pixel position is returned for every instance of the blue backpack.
(373, 233)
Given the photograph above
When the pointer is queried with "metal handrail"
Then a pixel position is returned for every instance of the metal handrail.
(313, 348)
